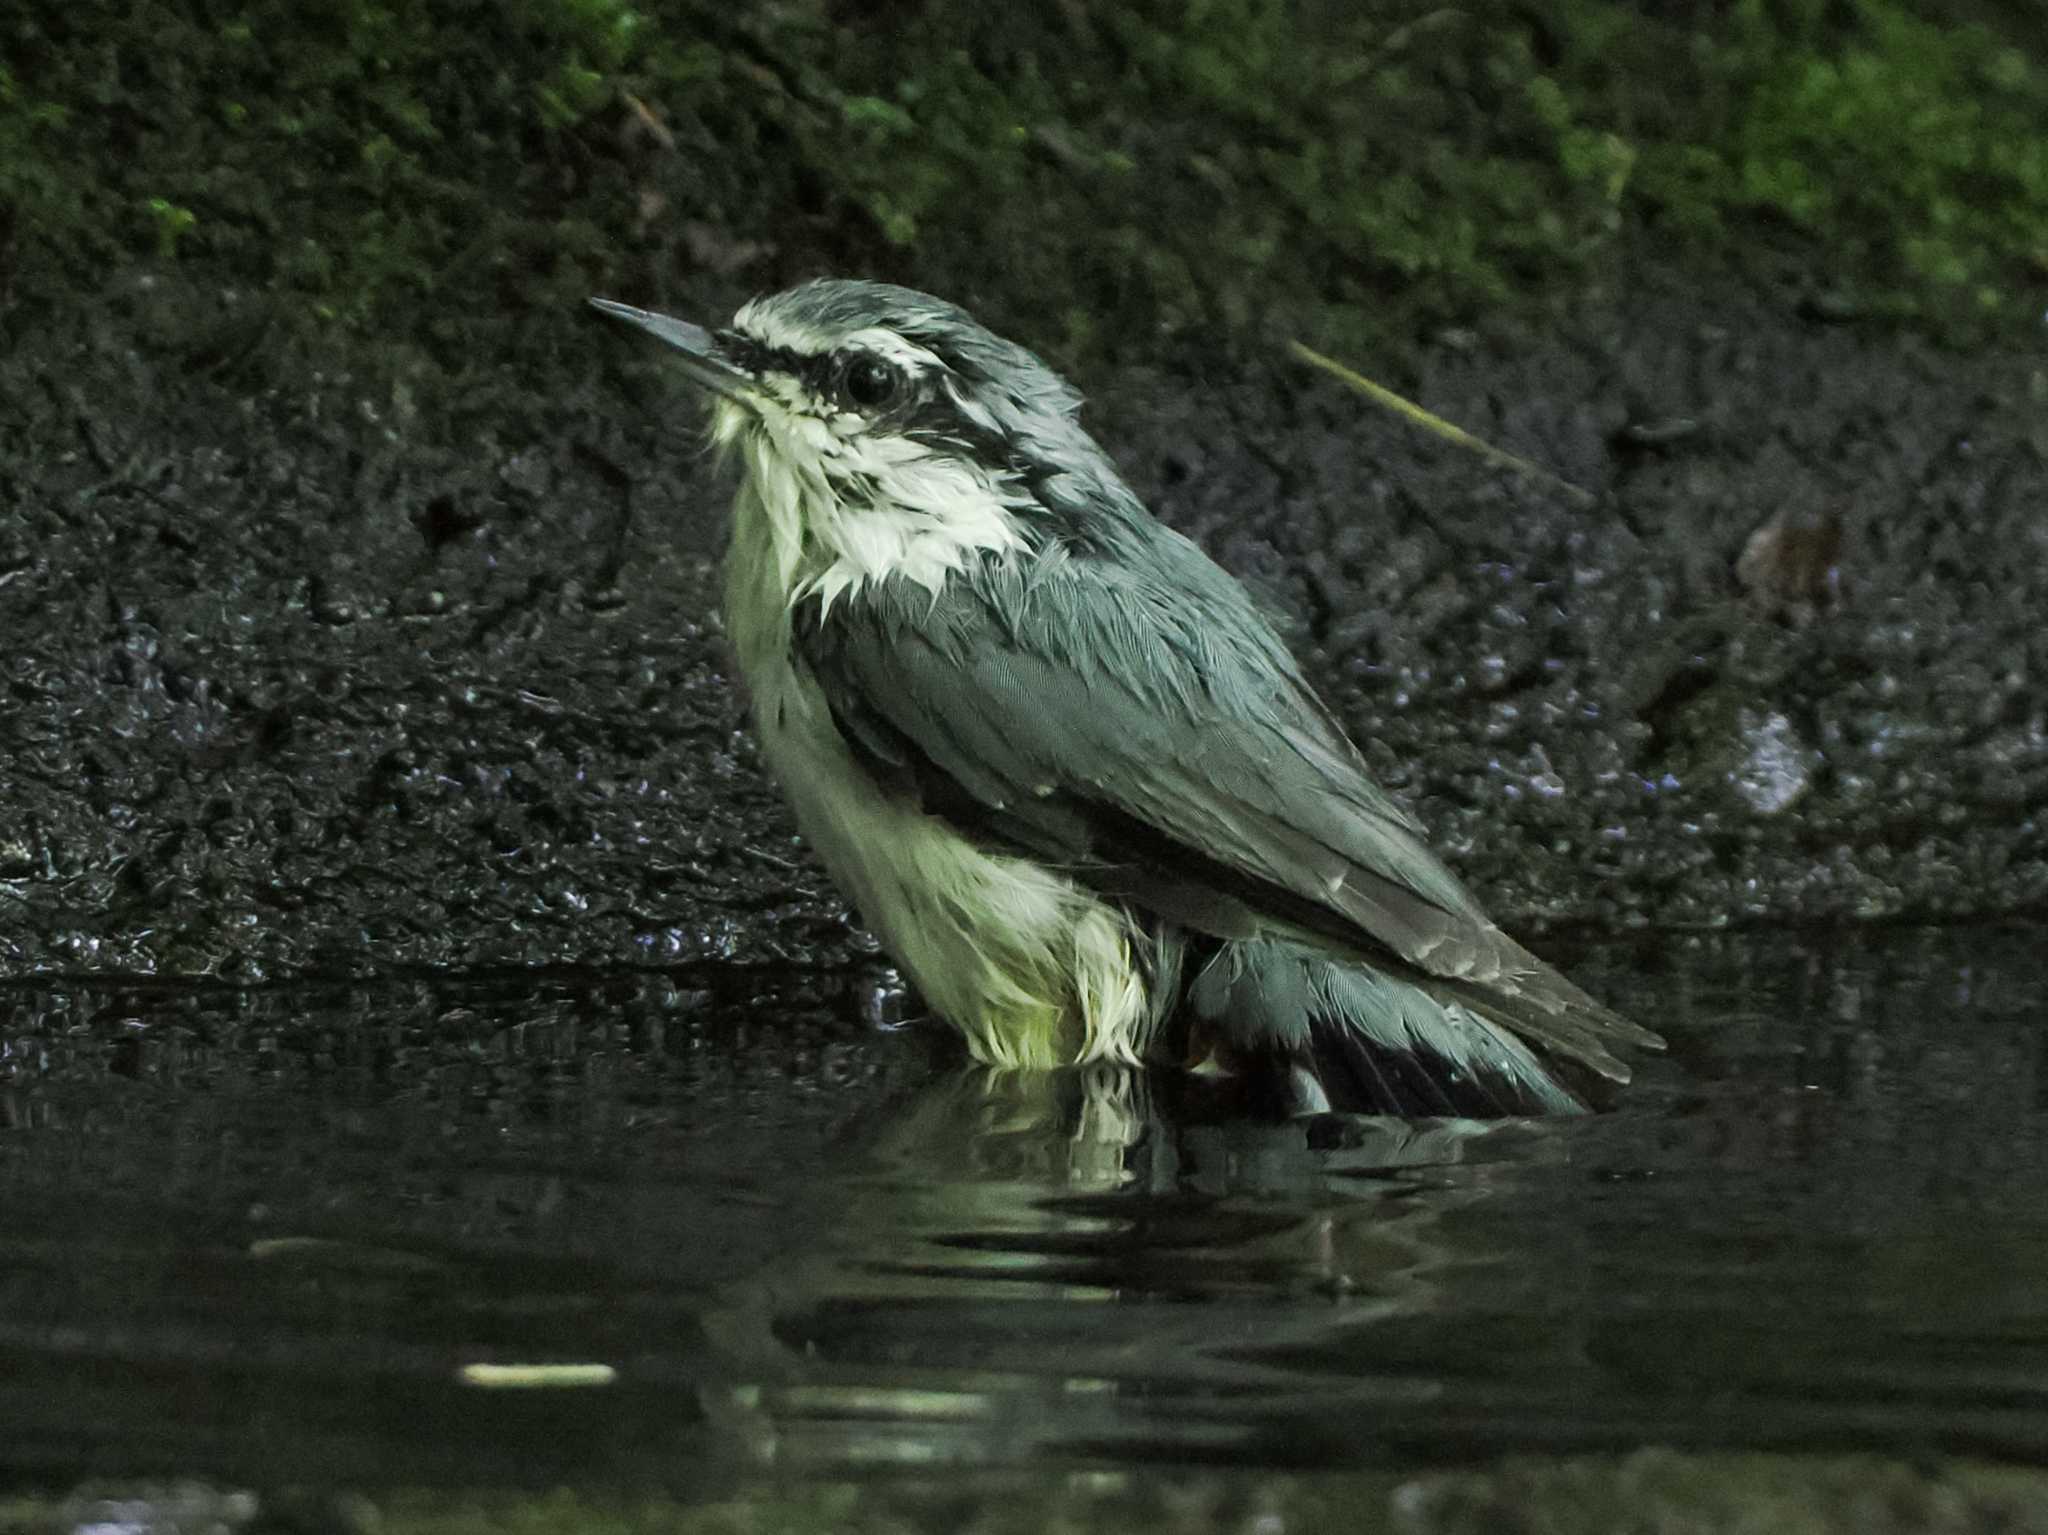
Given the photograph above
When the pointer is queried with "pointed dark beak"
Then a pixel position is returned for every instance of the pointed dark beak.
(698, 346)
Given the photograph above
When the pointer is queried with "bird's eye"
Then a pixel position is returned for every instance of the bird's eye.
(872, 383)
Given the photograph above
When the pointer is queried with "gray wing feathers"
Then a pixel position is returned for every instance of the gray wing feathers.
(1081, 686)
(1037, 684)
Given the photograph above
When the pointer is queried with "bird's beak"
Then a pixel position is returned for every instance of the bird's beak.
(698, 346)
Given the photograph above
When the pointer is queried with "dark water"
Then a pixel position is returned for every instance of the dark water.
(257, 1236)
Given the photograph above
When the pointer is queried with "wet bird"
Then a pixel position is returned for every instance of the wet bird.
(1060, 761)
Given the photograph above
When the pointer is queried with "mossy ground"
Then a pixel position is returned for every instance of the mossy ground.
(400, 180)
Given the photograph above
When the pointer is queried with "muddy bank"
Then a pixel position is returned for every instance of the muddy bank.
(315, 679)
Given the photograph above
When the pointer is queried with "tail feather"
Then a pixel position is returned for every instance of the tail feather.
(1538, 1004)
(1412, 1045)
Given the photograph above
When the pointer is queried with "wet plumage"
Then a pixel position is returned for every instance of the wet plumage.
(1060, 760)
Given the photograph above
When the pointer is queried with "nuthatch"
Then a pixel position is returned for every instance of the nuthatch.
(1057, 757)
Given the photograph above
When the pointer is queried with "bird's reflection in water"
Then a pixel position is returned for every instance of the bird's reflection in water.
(1058, 1255)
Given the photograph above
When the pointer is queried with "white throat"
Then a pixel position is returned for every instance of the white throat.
(840, 508)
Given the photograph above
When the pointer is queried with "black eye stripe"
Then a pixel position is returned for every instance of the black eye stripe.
(757, 357)
(924, 410)
(822, 376)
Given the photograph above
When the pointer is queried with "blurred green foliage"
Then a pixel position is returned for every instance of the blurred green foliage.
(1911, 158)
(1095, 173)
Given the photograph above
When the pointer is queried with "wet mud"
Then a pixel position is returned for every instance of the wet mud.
(317, 682)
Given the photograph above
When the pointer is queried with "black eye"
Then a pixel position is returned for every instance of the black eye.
(872, 383)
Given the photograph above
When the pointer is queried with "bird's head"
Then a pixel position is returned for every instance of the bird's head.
(836, 368)
(890, 422)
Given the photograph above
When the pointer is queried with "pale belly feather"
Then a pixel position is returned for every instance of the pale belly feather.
(1034, 969)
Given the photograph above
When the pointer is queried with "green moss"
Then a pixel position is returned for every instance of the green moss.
(1913, 157)
(172, 222)
(1093, 175)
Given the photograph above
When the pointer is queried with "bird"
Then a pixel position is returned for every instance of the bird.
(1059, 759)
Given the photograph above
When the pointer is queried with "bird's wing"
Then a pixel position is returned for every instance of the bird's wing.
(1155, 735)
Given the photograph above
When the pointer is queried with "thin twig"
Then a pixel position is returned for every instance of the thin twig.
(1379, 394)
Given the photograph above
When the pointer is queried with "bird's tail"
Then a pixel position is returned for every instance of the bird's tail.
(1354, 1038)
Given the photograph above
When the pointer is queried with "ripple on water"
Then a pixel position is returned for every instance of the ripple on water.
(263, 1234)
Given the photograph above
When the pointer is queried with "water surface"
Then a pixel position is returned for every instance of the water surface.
(258, 1236)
